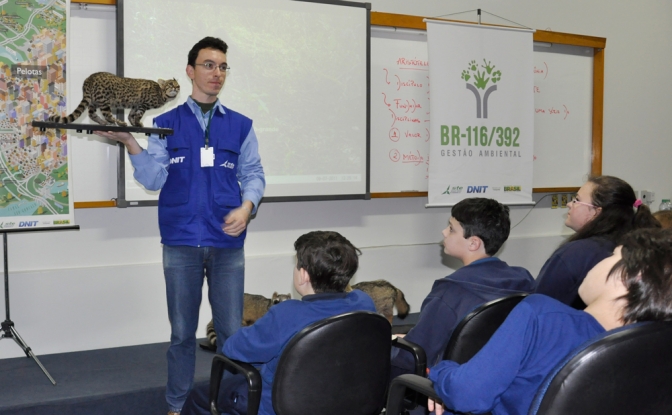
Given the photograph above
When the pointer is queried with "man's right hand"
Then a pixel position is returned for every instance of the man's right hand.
(124, 138)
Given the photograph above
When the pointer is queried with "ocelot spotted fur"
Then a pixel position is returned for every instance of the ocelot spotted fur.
(254, 308)
(385, 297)
(106, 91)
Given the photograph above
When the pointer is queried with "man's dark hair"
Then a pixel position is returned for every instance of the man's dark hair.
(646, 270)
(486, 218)
(329, 258)
(618, 215)
(205, 43)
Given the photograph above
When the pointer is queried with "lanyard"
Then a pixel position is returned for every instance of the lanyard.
(207, 127)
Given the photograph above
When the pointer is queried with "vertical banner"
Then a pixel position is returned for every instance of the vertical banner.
(482, 124)
(34, 180)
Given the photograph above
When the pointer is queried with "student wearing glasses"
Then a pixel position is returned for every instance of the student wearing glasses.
(211, 180)
(604, 209)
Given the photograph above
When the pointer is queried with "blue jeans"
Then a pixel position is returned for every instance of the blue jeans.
(184, 268)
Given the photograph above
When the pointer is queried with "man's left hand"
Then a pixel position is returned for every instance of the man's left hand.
(236, 221)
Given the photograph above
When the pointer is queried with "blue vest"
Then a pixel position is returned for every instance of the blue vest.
(194, 200)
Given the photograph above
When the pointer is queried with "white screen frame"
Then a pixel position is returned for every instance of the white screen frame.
(132, 62)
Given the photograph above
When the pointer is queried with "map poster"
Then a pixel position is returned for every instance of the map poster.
(34, 180)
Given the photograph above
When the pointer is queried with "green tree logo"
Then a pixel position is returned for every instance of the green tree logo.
(481, 76)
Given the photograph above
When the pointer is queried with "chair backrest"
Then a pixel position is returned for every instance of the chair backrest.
(340, 365)
(625, 371)
(477, 327)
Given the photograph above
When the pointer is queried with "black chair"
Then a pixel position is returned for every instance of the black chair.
(339, 365)
(467, 339)
(477, 327)
(625, 371)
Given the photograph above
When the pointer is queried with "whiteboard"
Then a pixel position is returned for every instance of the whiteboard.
(399, 112)
(563, 104)
(562, 123)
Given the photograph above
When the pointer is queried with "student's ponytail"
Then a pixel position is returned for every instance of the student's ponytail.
(643, 217)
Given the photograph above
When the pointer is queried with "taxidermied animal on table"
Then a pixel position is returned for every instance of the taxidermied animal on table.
(104, 91)
(385, 297)
(254, 308)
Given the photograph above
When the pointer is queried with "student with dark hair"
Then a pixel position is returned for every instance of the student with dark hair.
(604, 209)
(211, 180)
(325, 263)
(328, 258)
(634, 284)
(476, 231)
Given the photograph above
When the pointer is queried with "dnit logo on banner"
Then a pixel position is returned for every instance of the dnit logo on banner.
(481, 79)
(477, 189)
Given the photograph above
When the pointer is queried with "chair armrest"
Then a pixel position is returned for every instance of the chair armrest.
(419, 355)
(220, 363)
(398, 388)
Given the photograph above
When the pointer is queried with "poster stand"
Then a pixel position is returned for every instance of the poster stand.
(7, 326)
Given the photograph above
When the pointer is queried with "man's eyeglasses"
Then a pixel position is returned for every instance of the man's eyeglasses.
(210, 66)
(581, 203)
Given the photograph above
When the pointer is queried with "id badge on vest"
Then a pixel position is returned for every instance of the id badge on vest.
(207, 152)
(207, 157)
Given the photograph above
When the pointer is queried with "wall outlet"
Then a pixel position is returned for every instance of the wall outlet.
(648, 197)
(554, 201)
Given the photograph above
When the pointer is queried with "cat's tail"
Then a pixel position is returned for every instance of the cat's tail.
(212, 335)
(402, 306)
(75, 114)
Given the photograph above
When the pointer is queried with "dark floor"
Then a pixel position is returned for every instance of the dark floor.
(128, 380)
(123, 380)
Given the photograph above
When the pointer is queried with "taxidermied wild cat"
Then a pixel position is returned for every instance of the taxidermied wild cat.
(254, 307)
(106, 91)
(385, 296)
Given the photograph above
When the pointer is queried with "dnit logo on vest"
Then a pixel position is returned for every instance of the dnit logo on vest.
(481, 79)
(227, 164)
(476, 189)
(177, 160)
(28, 224)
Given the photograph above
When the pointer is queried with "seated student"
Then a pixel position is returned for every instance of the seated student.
(634, 284)
(664, 217)
(477, 229)
(325, 263)
(604, 209)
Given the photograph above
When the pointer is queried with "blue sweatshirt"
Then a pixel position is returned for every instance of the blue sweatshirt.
(564, 271)
(262, 343)
(504, 376)
(452, 298)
